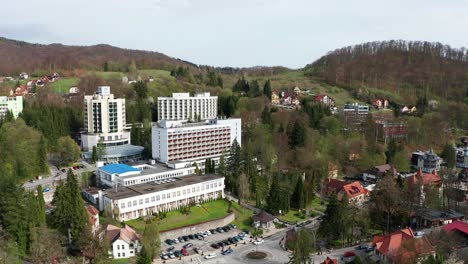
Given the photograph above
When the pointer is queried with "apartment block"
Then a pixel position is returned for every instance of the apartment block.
(186, 108)
(13, 104)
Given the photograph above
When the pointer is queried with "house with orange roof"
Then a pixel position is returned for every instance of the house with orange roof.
(325, 99)
(125, 242)
(93, 217)
(329, 260)
(354, 192)
(424, 181)
(402, 243)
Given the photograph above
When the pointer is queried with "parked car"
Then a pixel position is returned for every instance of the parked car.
(215, 245)
(233, 226)
(170, 242)
(213, 231)
(184, 252)
(419, 233)
(369, 249)
(188, 245)
(176, 241)
(219, 230)
(258, 241)
(211, 255)
(186, 238)
(227, 251)
(170, 249)
(221, 244)
(46, 189)
(164, 256)
(191, 236)
(171, 255)
(177, 253)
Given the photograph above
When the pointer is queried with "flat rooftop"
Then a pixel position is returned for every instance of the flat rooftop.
(152, 187)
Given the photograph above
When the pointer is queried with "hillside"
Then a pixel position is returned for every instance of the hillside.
(18, 56)
(408, 69)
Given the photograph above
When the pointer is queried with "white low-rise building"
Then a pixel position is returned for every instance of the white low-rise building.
(132, 202)
(125, 242)
(125, 175)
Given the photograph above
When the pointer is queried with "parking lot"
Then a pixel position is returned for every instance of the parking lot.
(201, 244)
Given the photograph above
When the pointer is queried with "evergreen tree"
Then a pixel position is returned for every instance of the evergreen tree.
(151, 241)
(297, 137)
(69, 210)
(278, 199)
(42, 156)
(106, 66)
(298, 198)
(41, 206)
(144, 257)
(254, 89)
(267, 89)
(334, 224)
(449, 155)
(303, 247)
(266, 117)
(222, 166)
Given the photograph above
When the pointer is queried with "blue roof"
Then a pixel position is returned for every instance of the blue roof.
(118, 168)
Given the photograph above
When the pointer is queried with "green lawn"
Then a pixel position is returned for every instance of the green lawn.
(243, 217)
(109, 75)
(63, 85)
(315, 204)
(292, 216)
(204, 212)
(124, 261)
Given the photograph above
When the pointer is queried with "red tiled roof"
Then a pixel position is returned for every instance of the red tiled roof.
(425, 178)
(126, 233)
(389, 244)
(457, 225)
(330, 261)
(412, 249)
(354, 189)
(319, 96)
(92, 210)
(333, 185)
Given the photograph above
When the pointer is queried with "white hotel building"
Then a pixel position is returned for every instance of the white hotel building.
(183, 107)
(174, 141)
(13, 104)
(169, 193)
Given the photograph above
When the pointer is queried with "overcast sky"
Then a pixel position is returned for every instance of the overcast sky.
(235, 33)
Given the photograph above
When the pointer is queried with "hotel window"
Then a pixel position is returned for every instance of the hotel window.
(129, 204)
(163, 196)
(153, 199)
(147, 200)
(168, 195)
(141, 201)
(122, 205)
(173, 194)
(157, 197)
(134, 203)
(193, 189)
(211, 186)
(178, 193)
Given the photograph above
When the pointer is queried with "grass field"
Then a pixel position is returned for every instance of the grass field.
(243, 217)
(293, 216)
(63, 85)
(205, 212)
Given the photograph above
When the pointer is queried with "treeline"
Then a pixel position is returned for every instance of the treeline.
(18, 56)
(205, 76)
(406, 67)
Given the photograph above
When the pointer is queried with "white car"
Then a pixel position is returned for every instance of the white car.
(258, 241)
(211, 255)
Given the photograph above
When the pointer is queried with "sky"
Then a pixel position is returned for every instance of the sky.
(236, 33)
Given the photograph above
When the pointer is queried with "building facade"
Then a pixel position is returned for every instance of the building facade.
(462, 157)
(136, 201)
(104, 124)
(13, 104)
(183, 107)
(355, 115)
(387, 131)
(176, 141)
(428, 161)
(125, 242)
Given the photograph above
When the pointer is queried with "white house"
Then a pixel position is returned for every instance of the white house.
(125, 242)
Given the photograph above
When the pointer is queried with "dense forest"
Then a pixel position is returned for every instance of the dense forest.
(19, 56)
(412, 68)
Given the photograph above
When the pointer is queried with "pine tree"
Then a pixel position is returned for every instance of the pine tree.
(297, 137)
(267, 89)
(298, 198)
(222, 166)
(144, 257)
(42, 156)
(41, 206)
(278, 198)
(449, 156)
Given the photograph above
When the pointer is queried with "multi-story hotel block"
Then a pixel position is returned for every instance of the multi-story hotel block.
(387, 131)
(13, 104)
(104, 123)
(174, 141)
(183, 107)
(355, 115)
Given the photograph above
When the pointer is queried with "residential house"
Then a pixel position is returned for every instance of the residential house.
(323, 98)
(379, 172)
(428, 161)
(93, 217)
(424, 181)
(74, 90)
(457, 227)
(354, 192)
(23, 76)
(297, 91)
(21, 90)
(125, 242)
(263, 220)
(408, 109)
(332, 170)
(332, 186)
(275, 99)
(402, 243)
(462, 157)
(380, 103)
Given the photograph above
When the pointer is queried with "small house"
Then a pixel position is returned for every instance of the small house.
(23, 76)
(125, 242)
(275, 99)
(263, 220)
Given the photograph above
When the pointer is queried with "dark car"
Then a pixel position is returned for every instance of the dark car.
(196, 250)
(221, 244)
(232, 226)
(227, 251)
(170, 242)
(369, 249)
(177, 253)
(213, 231)
(219, 230)
(191, 236)
(170, 249)
(246, 231)
(228, 227)
(225, 229)
(186, 238)
(215, 245)
(181, 239)
(188, 245)
(232, 240)
(227, 242)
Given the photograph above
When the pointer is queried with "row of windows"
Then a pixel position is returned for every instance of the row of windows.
(159, 177)
(168, 195)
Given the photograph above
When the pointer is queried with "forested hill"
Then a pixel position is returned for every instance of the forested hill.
(18, 56)
(410, 68)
